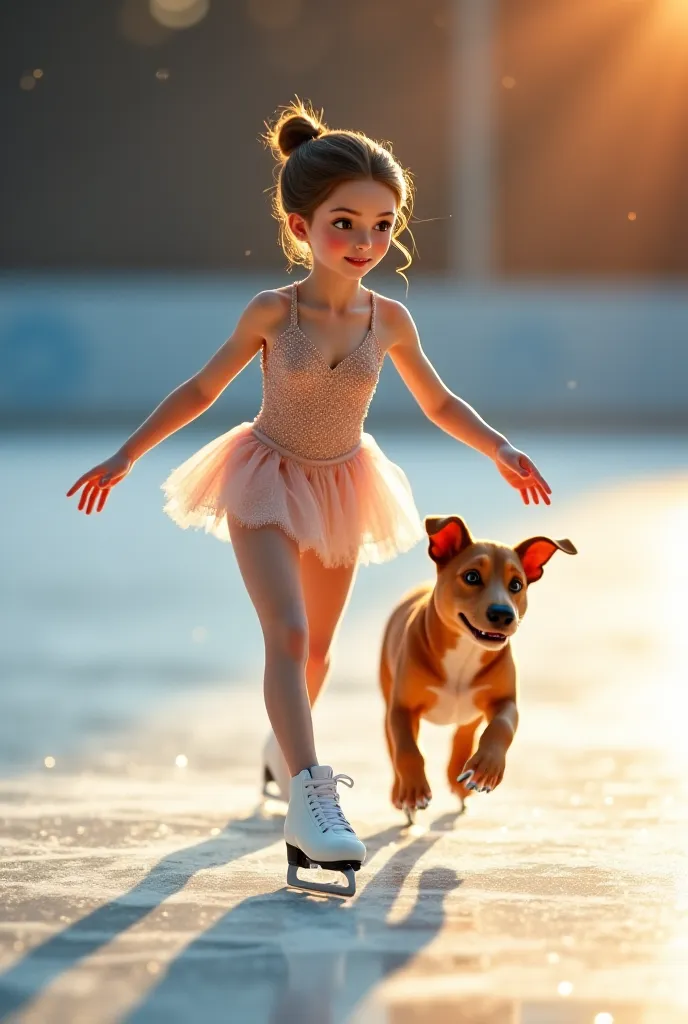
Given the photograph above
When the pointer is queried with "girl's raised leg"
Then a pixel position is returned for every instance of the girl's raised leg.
(269, 564)
(326, 592)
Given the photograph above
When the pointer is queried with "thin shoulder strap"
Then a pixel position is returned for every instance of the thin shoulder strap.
(372, 311)
(294, 305)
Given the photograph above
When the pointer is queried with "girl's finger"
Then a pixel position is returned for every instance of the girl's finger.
(92, 500)
(75, 487)
(536, 497)
(103, 498)
(541, 480)
(95, 494)
(535, 474)
(84, 496)
(524, 495)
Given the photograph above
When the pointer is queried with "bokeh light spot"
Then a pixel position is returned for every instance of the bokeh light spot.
(179, 14)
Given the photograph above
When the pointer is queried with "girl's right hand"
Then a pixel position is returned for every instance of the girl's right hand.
(99, 481)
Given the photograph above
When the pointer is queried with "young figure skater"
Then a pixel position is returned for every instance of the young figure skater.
(302, 493)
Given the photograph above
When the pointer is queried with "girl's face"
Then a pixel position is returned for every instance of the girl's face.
(352, 229)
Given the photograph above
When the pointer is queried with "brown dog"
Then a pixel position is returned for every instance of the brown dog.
(446, 657)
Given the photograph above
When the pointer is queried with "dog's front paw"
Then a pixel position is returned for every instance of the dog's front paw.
(484, 771)
(411, 791)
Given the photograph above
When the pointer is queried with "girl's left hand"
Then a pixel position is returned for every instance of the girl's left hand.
(518, 470)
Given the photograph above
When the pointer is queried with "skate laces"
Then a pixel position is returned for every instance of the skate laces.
(323, 800)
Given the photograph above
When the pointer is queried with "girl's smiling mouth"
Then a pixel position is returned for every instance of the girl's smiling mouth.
(358, 261)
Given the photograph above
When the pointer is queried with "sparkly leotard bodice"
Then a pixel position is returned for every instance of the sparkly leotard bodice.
(311, 409)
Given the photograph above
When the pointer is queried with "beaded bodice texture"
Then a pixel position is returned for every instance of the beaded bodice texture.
(310, 408)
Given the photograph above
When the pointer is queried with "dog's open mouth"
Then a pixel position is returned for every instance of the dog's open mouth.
(481, 634)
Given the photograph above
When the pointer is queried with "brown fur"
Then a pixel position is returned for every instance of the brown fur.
(433, 666)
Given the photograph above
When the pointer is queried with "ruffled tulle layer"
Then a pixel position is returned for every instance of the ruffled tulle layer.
(360, 507)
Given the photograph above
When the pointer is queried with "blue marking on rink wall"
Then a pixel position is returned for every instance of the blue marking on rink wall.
(116, 345)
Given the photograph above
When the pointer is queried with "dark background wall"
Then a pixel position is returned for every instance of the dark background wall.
(138, 146)
(111, 166)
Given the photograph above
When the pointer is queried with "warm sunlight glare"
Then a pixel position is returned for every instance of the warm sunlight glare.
(667, 624)
(676, 10)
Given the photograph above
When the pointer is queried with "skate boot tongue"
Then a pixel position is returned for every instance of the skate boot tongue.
(323, 786)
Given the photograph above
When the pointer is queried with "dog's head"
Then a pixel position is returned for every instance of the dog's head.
(482, 586)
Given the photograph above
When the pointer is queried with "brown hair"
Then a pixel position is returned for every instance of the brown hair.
(313, 160)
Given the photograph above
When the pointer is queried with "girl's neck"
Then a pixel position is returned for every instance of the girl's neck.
(325, 289)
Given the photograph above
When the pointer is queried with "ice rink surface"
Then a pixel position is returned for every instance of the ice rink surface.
(143, 880)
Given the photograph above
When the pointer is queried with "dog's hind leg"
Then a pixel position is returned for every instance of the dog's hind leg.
(386, 683)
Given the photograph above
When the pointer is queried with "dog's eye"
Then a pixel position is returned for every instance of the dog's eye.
(472, 576)
(515, 585)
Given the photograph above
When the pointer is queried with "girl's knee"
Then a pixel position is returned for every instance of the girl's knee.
(288, 638)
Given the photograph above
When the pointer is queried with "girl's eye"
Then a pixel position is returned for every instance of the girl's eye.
(384, 225)
(472, 576)
(515, 585)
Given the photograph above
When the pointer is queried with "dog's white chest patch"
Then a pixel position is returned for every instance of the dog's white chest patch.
(455, 701)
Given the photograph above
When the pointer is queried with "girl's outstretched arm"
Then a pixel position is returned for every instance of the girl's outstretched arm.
(451, 413)
(187, 401)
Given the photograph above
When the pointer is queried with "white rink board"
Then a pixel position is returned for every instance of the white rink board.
(575, 354)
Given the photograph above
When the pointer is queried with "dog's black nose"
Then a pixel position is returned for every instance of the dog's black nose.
(500, 614)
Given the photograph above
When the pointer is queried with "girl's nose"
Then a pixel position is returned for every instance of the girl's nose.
(363, 244)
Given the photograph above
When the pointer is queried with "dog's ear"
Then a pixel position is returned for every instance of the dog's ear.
(537, 551)
(448, 536)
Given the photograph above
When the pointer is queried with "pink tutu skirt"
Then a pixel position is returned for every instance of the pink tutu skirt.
(357, 507)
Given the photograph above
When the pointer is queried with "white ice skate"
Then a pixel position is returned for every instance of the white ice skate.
(317, 833)
(276, 775)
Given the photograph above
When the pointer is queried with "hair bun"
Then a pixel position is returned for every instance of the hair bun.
(297, 123)
(295, 131)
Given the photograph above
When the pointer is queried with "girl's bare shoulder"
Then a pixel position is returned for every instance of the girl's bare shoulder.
(271, 310)
(393, 321)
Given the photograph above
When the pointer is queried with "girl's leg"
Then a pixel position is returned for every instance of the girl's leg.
(269, 564)
(326, 592)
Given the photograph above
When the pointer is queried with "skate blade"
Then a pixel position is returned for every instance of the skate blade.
(327, 888)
